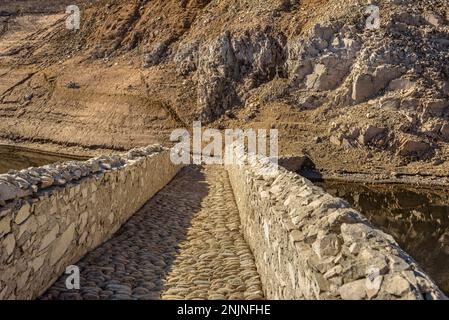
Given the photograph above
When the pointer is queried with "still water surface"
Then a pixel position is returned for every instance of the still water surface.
(418, 219)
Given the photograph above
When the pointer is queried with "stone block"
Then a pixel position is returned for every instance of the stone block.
(62, 244)
(23, 213)
(9, 243)
(327, 245)
(355, 290)
(49, 237)
(5, 225)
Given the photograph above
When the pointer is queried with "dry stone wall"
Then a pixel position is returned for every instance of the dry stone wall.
(310, 245)
(51, 216)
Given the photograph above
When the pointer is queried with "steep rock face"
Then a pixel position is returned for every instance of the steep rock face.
(234, 64)
(217, 68)
(341, 57)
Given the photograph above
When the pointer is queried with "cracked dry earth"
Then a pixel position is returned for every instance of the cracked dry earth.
(185, 243)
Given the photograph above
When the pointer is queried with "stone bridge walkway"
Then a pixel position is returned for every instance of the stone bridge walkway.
(185, 243)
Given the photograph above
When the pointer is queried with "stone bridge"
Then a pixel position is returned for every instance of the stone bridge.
(140, 227)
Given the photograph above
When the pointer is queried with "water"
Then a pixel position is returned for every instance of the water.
(16, 158)
(418, 219)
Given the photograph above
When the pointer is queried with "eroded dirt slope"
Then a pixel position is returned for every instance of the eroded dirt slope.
(352, 98)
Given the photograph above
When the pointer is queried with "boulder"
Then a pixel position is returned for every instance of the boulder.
(355, 232)
(327, 245)
(367, 85)
(433, 19)
(5, 225)
(9, 244)
(398, 264)
(49, 237)
(328, 74)
(396, 285)
(362, 88)
(444, 131)
(46, 181)
(313, 80)
(370, 133)
(72, 85)
(62, 244)
(9, 191)
(401, 84)
(24, 213)
(335, 140)
(436, 108)
(155, 55)
(296, 163)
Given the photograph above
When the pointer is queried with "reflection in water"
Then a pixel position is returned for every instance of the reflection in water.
(14, 158)
(416, 218)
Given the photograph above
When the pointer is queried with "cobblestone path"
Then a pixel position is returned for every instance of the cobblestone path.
(185, 243)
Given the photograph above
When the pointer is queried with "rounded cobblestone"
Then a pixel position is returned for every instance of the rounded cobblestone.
(185, 243)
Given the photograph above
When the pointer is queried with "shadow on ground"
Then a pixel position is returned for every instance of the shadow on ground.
(134, 263)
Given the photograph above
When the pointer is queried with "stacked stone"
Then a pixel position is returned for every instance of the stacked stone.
(310, 245)
(185, 243)
(27, 182)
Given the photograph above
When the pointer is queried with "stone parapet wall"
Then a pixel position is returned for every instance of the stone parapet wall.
(52, 216)
(310, 245)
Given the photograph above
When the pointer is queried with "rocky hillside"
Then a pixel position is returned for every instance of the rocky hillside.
(351, 97)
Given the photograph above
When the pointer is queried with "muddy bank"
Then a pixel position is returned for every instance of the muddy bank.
(17, 158)
(49, 147)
